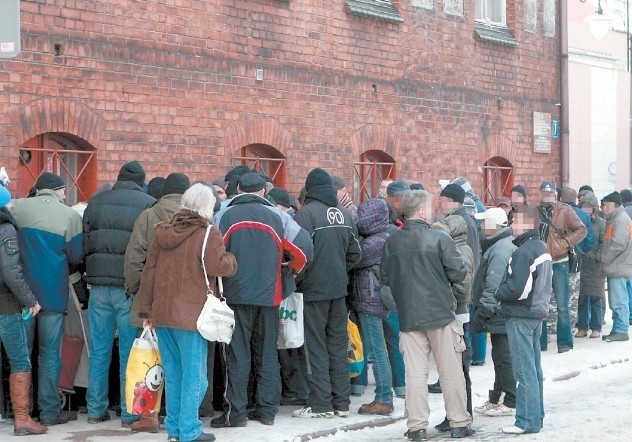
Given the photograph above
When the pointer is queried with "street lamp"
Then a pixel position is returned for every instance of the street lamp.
(598, 23)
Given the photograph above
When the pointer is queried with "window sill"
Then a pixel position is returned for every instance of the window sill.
(375, 9)
(495, 34)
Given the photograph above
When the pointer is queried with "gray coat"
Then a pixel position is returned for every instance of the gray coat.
(616, 259)
(591, 280)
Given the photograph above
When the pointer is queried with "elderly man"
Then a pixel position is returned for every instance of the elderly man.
(419, 264)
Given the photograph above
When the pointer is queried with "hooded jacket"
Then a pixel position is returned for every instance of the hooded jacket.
(14, 291)
(373, 229)
(420, 264)
(108, 222)
(493, 266)
(51, 240)
(336, 246)
(172, 287)
(140, 242)
(456, 227)
(526, 286)
(258, 234)
(616, 259)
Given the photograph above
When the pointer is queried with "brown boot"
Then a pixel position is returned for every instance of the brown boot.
(20, 383)
(147, 423)
(375, 407)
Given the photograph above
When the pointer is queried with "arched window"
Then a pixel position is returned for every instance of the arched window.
(61, 153)
(498, 179)
(266, 159)
(373, 167)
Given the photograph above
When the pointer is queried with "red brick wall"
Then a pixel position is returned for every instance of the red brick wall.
(172, 83)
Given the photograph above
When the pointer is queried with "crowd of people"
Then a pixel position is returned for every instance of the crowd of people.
(416, 282)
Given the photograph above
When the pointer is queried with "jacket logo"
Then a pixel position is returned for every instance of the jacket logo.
(335, 216)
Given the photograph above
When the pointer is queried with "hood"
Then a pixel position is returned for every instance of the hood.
(6, 217)
(465, 185)
(170, 234)
(372, 217)
(455, 226)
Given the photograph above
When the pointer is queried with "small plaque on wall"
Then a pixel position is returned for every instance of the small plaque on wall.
(541, 132)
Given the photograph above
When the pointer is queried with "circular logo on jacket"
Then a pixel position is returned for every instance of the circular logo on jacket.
(335, 216)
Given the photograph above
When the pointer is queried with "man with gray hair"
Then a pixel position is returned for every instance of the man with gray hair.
(419, 264)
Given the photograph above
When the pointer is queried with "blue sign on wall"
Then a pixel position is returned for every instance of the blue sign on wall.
(555, 128)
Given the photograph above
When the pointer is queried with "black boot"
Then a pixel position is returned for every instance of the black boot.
(434, 388)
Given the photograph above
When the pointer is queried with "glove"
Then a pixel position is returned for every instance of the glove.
(484, 312)
(4, 177)
(82, 292)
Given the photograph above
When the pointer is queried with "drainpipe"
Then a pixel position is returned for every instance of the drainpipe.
(564, 117)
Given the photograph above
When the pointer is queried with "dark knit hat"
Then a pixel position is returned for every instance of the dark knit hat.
(176, 183)
(236, 172)
(454, 192)
(251, 182)
(626, 196)
(133, 172)
(221, 182)
(614, 197)
(548, 186)
(519, 188)
(317, 177)
(417, 186)
(337, 182)
(154, 187)
(50, 181)
(280, 196)
(586, 187)
(397, 188)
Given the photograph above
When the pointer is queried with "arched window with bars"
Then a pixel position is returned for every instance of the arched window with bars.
(372, 167)
(498, 179)
(265, 159)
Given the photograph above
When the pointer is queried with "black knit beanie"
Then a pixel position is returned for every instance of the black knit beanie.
(626, 196)
(317, 177)
(154, 187)
(586, 187)
(176, 183)
(49, 181)
(614, 197)
(519, 188)
(454, 192)
(280, 196)
(133, 172)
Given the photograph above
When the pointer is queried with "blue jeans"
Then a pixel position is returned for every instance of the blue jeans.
(183, 354)
(478, 342)
(562, 299)
(589, 309)
(628, 286)
(373, 341)
(108, 311)
(50, 330)
(618, 301)
(391, 335)
(13, 337)
(524, 341)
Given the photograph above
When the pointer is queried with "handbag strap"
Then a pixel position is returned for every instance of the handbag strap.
(220, 285)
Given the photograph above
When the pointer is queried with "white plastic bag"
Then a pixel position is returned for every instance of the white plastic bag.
(291, 332)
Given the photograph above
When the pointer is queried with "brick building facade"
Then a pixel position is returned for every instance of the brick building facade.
(364, 88)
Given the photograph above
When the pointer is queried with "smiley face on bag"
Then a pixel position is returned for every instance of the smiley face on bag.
(155, 377)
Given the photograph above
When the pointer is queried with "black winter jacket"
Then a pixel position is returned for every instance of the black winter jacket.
(526, 287)
(14, 291)
(108, 222)
(419, 264)
(336, 250)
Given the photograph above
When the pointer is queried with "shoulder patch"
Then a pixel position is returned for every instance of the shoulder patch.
(11, 246)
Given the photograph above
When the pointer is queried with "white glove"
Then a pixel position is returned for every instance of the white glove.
(4, 176)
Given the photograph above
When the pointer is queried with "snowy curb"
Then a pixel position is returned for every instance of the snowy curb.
(352, 427)
(576, 373)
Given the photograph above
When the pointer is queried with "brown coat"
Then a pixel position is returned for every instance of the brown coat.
(172, 286)
(573, 229)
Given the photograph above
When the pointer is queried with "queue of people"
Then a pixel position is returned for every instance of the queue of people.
(416, 282)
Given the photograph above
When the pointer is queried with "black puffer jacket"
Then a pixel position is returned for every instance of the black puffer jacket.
(107, 226)
(14, 291)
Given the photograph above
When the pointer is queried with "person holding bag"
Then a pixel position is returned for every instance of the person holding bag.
(173, 292)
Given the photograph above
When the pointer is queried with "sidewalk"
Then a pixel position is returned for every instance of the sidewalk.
(588, 356)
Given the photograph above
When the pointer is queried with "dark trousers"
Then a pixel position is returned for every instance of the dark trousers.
(326, 347)
(294, 381)
(504, 378)
(249, 318)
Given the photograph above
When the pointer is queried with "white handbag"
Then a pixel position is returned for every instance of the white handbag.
(217, 320)
(291, 331)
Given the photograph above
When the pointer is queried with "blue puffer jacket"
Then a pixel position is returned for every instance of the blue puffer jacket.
(373, 228)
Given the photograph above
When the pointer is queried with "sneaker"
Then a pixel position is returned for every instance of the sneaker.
(416, 435)
(501, 410)
(595, 334)
(486, 406)
(98, 419)
(341, 413)
(616, 336)
(563, 349)
(434, 388)
(461, 432)
(223, 422)
(307, 412)
(581, 334)
(513, 430)
(375, 407)
(173, 438)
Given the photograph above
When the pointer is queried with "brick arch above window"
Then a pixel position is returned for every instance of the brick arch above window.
(258, 130)
(374, 137)
(57, 115)
(497, 145)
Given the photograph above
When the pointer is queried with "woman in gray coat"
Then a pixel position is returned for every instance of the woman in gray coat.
(591, 280)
